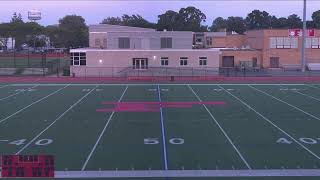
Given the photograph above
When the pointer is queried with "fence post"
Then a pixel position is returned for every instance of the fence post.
(14, 57)
(28, 57)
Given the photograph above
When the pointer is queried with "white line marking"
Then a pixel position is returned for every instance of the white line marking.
(4, 140)
(295, 107)
(65, 112)
(309, 85)
(273, 124)
(307, 95)
(4, 119)
(225, 134)
(16, 93)
(188, 173)
(4, 86)
(144, 84)
(102, 133)
(163, 131)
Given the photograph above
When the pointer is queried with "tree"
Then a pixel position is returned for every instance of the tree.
(112, 20)
(294, 21)
(236, 24)
(218, 24)
(73, 31)
(136, 21)
(279, 23)
(191, 18)
(5, 34)
(55, 35)
(170, 20)
(316, 19)
(16, 18)
(258, 20)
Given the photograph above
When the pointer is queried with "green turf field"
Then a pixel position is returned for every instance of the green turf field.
(253, 128)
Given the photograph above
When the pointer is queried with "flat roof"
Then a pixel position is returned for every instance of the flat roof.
(142, 50)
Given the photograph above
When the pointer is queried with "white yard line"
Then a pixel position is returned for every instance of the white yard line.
(224, 133)
(35, 102)
(295, 107)
(61, 115)
(188, 173)
(312, 86)
(314, 98)
(273, 124)
(163, 132)
(4, 98)
(101, 134)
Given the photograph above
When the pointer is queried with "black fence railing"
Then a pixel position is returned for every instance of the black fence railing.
(26, 63)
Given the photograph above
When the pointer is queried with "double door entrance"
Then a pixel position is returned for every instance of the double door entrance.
(140, 63)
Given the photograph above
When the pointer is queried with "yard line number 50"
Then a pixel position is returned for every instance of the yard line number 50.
(152, 141)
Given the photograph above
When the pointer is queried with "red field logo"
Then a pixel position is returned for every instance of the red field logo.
(151, 106)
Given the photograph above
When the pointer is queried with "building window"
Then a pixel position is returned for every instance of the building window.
(202, 61)
(140, 63)
(97, 42)
(78, 59)
(105, 43)
(313, 43)
(183, 61)
(124, 43)
(209, 41)
(164, 61)
(166, 42)
(283, 42)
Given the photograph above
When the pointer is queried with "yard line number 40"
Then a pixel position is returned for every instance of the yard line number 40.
(41, 142)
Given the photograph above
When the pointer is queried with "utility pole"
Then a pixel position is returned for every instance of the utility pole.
(304, 31)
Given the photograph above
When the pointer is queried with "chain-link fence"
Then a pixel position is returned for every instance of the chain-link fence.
(27, 63)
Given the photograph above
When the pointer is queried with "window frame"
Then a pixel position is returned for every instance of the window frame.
(166, 42)
(164, 61)
(184, 61)
(122, 39)
(203, 61)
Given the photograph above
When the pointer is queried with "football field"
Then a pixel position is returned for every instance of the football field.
(165, 130)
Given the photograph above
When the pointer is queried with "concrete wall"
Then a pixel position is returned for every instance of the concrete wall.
(141, 40)
(242, 55)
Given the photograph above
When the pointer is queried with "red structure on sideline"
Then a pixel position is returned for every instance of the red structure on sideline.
(27, 166)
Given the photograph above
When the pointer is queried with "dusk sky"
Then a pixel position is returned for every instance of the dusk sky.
(95, 11)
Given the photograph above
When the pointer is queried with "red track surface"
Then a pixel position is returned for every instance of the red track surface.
(208, 79)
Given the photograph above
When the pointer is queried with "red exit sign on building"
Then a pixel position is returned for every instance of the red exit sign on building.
(27, 166)
(298, 32)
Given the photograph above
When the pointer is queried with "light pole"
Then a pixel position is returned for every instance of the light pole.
(304, 30)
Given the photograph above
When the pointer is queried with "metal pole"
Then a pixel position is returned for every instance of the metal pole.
(303, 57)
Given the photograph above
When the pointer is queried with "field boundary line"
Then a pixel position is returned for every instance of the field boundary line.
(225, 134)
(101, 134)
(163, 131)
(11, 95)
(270, 122)
(148, 84)
(59, 117)
(188, 173)
(39, 100)
(293, 106)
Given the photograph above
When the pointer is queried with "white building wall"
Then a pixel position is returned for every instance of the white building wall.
(119, 63)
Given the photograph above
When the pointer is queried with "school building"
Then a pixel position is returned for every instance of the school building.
(131, 51)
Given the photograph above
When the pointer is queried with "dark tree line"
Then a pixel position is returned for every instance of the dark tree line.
(72, 31)
(69, 33)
